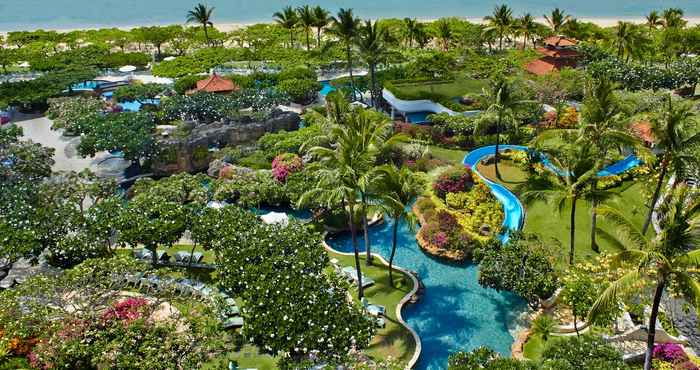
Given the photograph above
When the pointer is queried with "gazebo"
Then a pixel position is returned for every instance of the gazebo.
(216, 84)
(558, 52)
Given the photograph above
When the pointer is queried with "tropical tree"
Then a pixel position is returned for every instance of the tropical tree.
(500, 21)
(574, 166)
(676, 135)
(557, 20)
(306, 19)
(345, 27)
(528, 28)
(543, 326)
(673, 18)
(444, 33)
(410, 30)
(399, 187)
(502, 101)
(288, 19)
(662, 262)
(373, 50)
(201, 14)
(627, 40)
(653, 20)
(321, 20)
(602, 127)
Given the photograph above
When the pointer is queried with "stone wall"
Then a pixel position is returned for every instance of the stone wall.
(192, 154)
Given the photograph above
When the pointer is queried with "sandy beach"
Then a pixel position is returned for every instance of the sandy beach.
(232, 26)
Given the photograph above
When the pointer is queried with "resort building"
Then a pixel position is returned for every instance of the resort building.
(215, 84)
(557, 52)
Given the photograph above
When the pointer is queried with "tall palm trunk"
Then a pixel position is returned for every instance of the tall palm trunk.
(353, 235)
(572, 233)
(291, 38)
(498, 143)
(308, 43)
(652, 323)
(189, 261)
(206, 33)
(393, 250)
(318, 37)
(365, 226)
(594, 218)
(352, 81)
(657, 192)
(154, 255)
(373, 81)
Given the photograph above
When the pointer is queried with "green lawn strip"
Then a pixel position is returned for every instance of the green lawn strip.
(534, 346)
(394, 340)
(456, 88)
(248, 357)
(453, 156)
(543, 219)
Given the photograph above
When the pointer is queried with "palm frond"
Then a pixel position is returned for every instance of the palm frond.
(609, 299)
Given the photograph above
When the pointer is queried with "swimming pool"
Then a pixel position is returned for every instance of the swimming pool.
(326, 88)
(418, 117)
(135, 105)
(87, 85)
(455, 313)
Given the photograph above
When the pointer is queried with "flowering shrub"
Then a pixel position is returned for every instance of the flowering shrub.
(127, 310)
(670, 352)
(454, 180)
(567, 119)
(285, 164)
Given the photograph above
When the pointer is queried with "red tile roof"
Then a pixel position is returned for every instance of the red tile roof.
(558, 53)
(546, 65)
(643, 130)
(215, 84)
(559, 41)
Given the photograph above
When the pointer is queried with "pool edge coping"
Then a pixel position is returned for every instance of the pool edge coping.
(416, 353)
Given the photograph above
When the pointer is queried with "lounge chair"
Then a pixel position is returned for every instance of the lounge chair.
(351, 273)
(163, 256)
(380, 322)
(182, 257)
(373, 309)
(197, 257)
(134, 279)
(233, 322)
(229, 311)
(143, 254)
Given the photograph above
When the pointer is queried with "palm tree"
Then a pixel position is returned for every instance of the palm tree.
(673, 18)
(575, 167)
(543, 326)
(502, 102)
(444, 33)
(321, 20)
(372, 48)
(201, 14)
(343, 164)
(626, 39)
(675, 137)
(345, 26)
(653, 20)
(288, 19)
(557, 20)
(306, 19)
(411, 25)
(601, 127)
(528, 28)
(662, 261)
(501, 20)
(398, 187)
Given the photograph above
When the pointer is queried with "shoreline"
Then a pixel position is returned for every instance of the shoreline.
(228, 26)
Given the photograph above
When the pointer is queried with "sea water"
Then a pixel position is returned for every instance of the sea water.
(69, 14)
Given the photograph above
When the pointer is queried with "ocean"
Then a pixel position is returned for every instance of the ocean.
(70, 14)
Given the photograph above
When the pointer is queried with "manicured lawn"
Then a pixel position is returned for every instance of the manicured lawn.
(454, 156)
(553, 227)
(533, 347)
(247, 358)
(394, 340)
(456, 88)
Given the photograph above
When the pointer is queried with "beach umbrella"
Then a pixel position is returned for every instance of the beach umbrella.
(168, 59)
(127, 69)
(23, 65)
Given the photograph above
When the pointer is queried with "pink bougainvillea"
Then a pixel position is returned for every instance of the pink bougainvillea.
(284, 165)
(454, 180)
(127, 310)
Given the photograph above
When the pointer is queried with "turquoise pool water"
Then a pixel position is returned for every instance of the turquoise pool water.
(418, 117)
(455, 313)
(87, 85)
(326, 88)
(135, 106)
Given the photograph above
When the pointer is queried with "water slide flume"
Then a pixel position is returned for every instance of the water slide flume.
(513, 209)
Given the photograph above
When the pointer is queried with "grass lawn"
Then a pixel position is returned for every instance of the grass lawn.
(534, 346)
(449, 90)
(454, 156)
(553, 227)
(394, 340)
